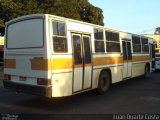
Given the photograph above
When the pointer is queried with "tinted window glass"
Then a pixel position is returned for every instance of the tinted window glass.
(99, 46)
(55, 28)
(60, 44)
(111, 36)
(99, 42)
(98, 34)
(108, 36)
(145, 48)
(59, 28)
(153, 51)
(113, 47)
(62, 29)
(112, 39)
(129, 51)
(59, 37)
(87, 50)
(135, 40)
(144, 41)
(136, 44)
(77, 50)
(124, 51)
(136, 48)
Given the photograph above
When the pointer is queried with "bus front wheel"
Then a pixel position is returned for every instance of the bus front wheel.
(104, 82)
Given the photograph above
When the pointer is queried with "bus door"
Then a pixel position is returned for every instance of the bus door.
(82, 62)
(127, 59)
(152, 55)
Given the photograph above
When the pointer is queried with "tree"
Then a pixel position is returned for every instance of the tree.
(10, 9)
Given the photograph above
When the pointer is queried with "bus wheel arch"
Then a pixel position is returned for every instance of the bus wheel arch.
(146, 70)
(104, 81)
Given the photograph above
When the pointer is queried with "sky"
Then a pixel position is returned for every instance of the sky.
(134, 16)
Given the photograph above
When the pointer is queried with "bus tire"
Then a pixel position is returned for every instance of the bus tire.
(146, 71)
(103, 82)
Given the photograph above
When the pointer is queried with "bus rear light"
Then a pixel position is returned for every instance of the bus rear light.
(43, 81)
(6, 77)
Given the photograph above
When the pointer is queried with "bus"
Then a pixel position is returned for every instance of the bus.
(53, 56)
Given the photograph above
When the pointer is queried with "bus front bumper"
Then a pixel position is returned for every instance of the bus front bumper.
(45, 91)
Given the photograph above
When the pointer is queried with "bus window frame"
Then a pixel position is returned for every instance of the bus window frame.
(143, 44)
(52, 36)
(112, 40)
(140, 44)
(99, 40)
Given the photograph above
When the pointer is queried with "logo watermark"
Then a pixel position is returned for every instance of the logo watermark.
(136, 117)
(9, 117)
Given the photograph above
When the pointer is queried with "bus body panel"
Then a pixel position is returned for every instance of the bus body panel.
(107, 62)
(139, 63)
(62, 84)
(25, 58)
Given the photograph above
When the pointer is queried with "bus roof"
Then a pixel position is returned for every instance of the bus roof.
(67, 19)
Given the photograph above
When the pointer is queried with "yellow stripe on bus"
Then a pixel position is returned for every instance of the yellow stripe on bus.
(127, 61)
(10, 63)
(62, 63)
(107, 60)
(40, 64)
(51, 64)
(140, 58)
(67, 63)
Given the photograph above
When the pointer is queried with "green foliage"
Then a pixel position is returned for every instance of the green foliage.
(10, 9)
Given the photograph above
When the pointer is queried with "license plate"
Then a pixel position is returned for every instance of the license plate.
(22, 78)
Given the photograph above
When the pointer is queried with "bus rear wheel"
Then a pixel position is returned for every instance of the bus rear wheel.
(104, 82)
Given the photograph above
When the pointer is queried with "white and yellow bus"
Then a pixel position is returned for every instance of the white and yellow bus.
(54, 56)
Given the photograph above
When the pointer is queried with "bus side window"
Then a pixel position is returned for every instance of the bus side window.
(136, 44)
(145, 46)
(59, 37)
(112, 42)
(99, 41)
